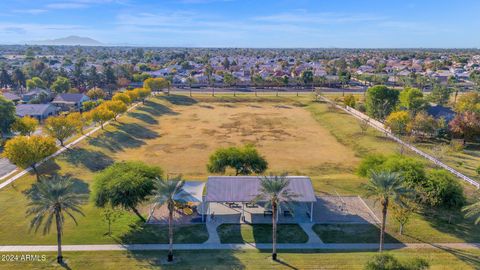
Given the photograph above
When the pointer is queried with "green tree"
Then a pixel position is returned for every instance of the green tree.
(60, 128)
(412, 100)
(245, 160)
(441, 189)
(230, 80)
(26, 151)
(126, 185)
(25, 125)
(381, 101)
(54, 199)
(110, 215)
(61, 85)
(35, 82)
(7, 116)
(440, 94)
(274, 191)
(385, 187)
(307, 77)
(168, 192)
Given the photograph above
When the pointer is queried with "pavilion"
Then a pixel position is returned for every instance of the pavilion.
(228, 192)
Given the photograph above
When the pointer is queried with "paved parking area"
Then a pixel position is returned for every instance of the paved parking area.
(344, 209)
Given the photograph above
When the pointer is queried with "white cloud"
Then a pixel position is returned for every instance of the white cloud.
(30, 11)
(302, 16)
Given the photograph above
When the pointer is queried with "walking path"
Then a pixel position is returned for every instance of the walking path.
(381, 127)
(61, 150)
(212, 233)
(218, 246)
(312, 236)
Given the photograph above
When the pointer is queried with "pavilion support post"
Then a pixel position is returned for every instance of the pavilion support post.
(203, 209)
(311, 212)
(243, 212)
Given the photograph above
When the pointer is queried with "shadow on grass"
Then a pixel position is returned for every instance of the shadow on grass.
(138, 131)
(453, 222)
(462, 255)
(93, 160)
(126, 136)
(143, 117)
(191, 259)
(156, 109)
(286, 233)
(351, 233)
(180, 100)
(261, 233)
(140, 233)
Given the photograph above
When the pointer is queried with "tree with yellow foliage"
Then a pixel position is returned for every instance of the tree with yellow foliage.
(61, 127)
(25, 125)
(100, 115)
(27, 151)
(143, 93)
(115, 106)
(156, 84)
(122, 97)
(398, 122)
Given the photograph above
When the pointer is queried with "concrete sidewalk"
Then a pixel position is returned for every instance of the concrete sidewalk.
(322, 246)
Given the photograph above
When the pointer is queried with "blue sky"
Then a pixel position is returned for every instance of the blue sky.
(247, 23)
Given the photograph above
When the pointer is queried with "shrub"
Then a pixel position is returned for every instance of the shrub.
(383, 262)
(349, 101)
(361, 107)
(389, 262)
(370, 163)
(441, 189)
(478, 170)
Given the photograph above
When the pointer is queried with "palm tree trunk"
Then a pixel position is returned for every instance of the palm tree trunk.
(34, 168)
(384, 220)
(170, 235)
(274, 231)
(138, 213)
(59, 236)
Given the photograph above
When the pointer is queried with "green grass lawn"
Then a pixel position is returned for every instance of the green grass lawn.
(175, 132)
(251, 259)
(351, 233)
(261, 233)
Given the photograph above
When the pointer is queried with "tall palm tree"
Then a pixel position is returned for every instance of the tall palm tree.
(168, 192)
(51, 199)
(274, 191)
(473, 210)
(385, 187)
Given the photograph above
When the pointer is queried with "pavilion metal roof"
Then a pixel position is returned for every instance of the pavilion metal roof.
(246, 188)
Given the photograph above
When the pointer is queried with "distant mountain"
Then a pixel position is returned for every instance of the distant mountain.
(70, 40)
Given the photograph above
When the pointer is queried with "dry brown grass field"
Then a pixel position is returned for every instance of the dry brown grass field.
(179, 133)
(287, 135)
